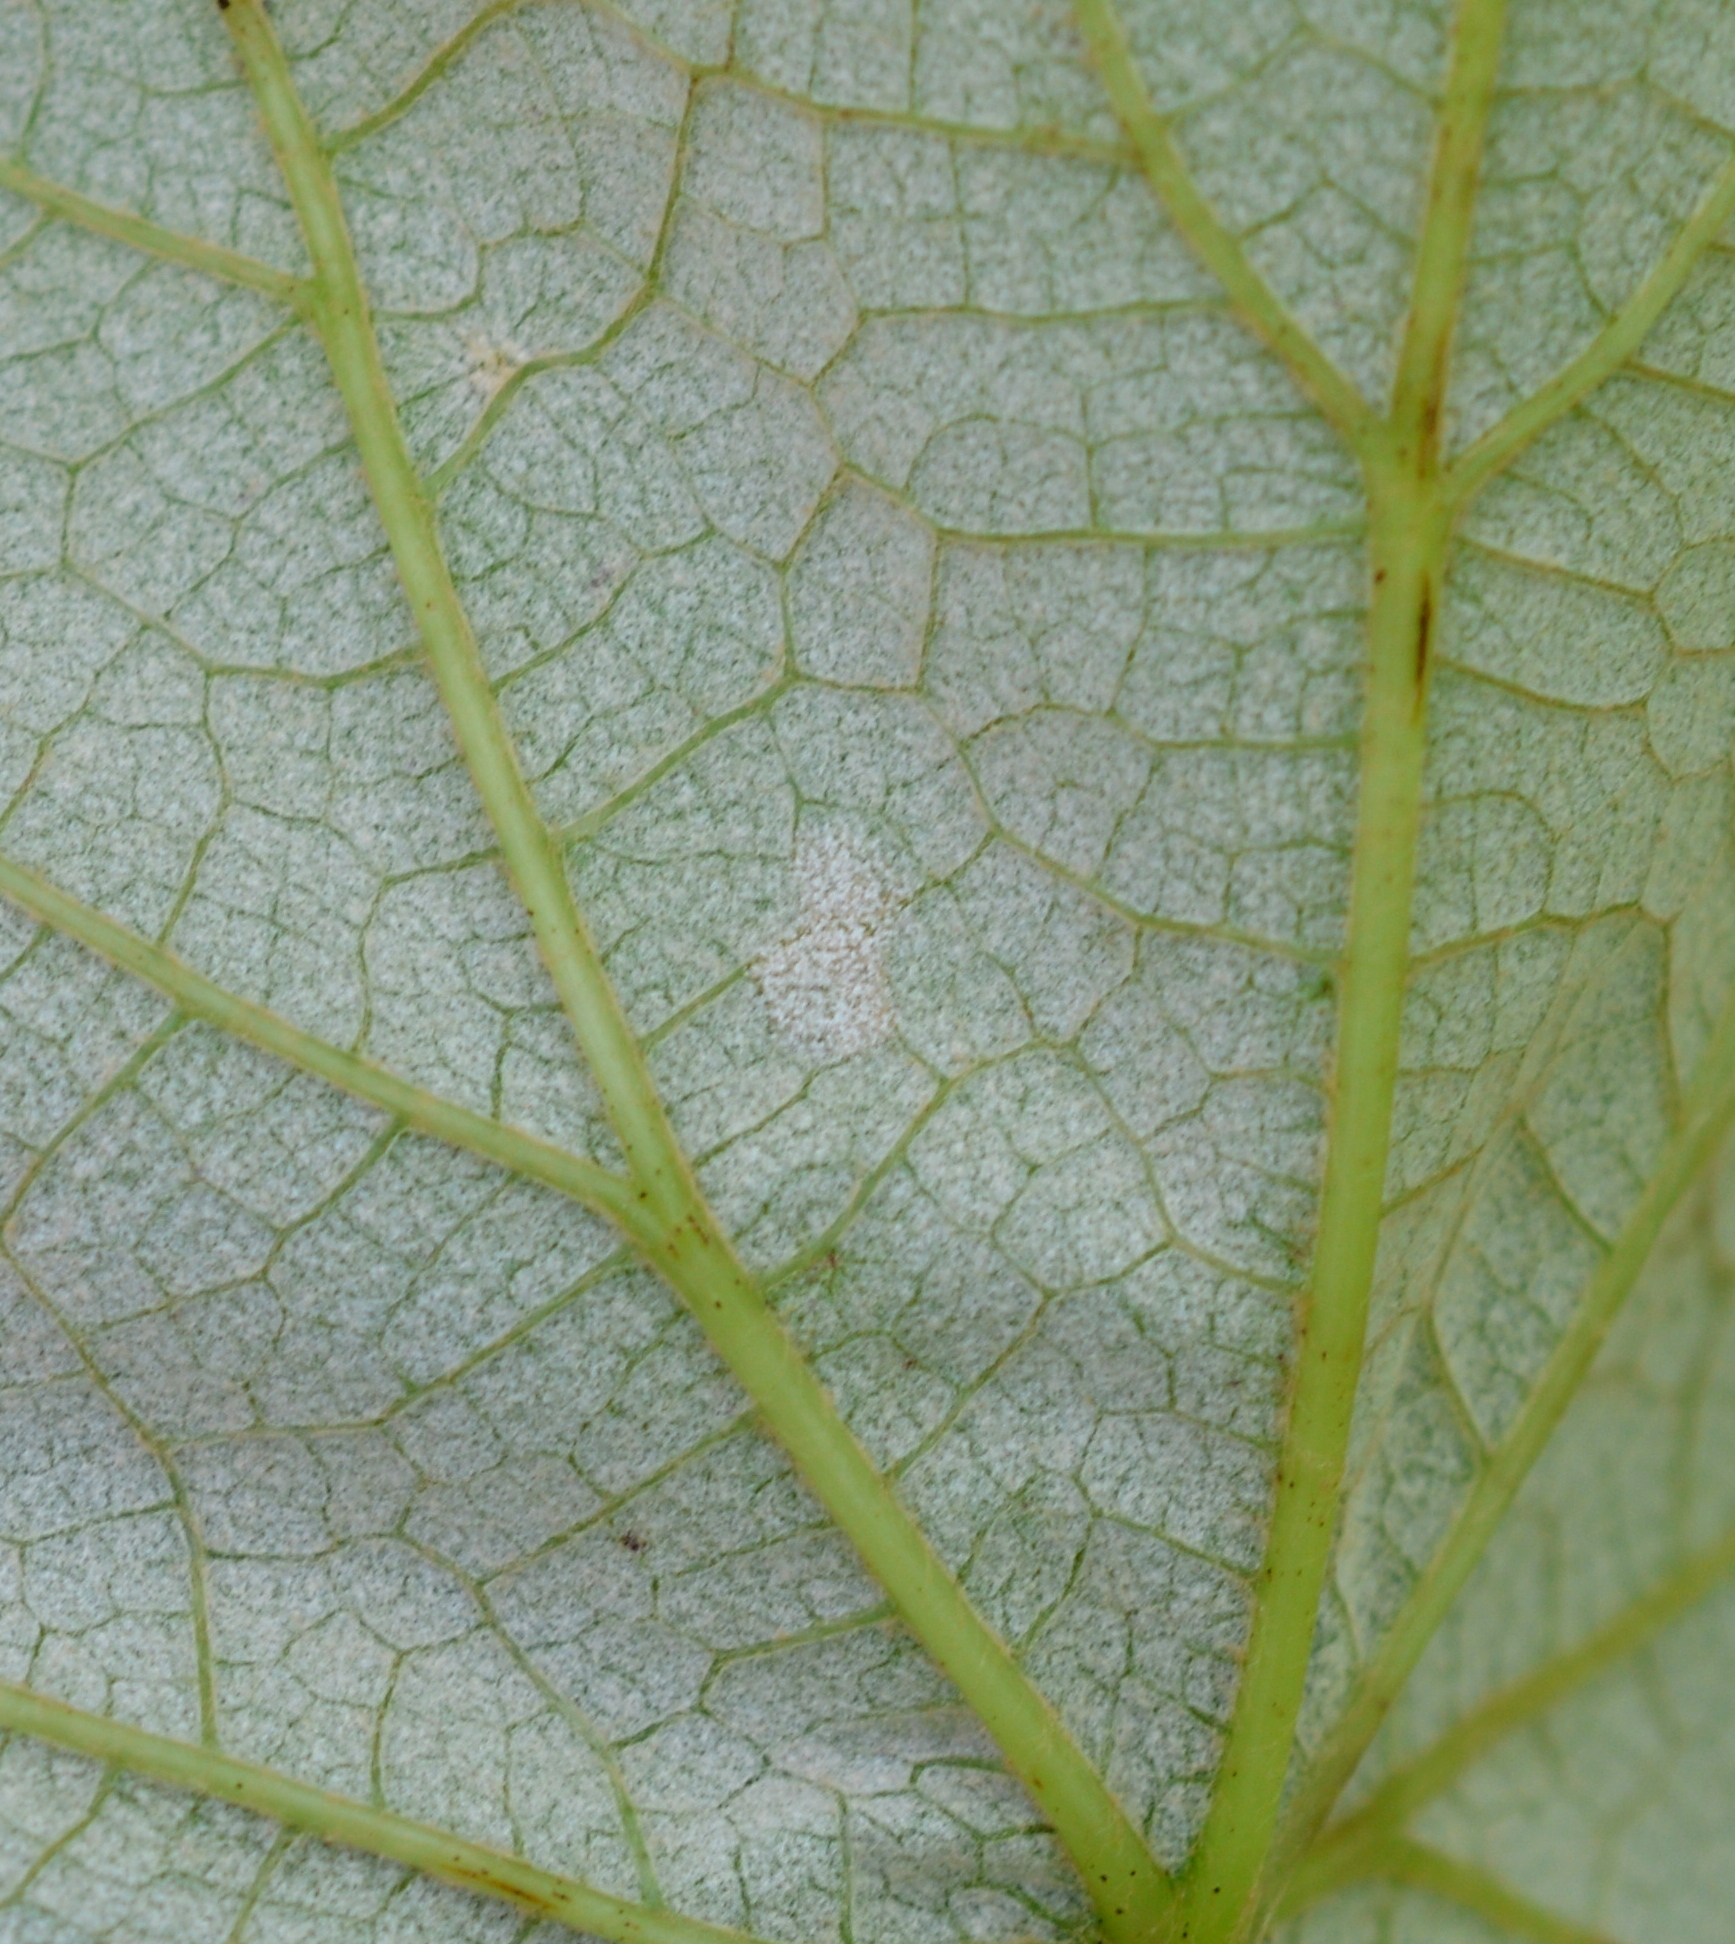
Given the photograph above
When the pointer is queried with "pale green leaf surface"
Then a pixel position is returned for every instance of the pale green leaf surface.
(935, 621)
(1609, 1808)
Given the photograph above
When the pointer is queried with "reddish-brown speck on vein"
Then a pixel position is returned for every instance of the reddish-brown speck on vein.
(1424, 617)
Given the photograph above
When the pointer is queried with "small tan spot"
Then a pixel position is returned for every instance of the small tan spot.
(492, 364)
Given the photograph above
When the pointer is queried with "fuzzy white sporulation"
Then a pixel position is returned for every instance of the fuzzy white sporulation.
(826, 986)
(492, 363)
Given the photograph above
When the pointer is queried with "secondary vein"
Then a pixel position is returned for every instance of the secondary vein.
(339, 1819)
(1220, 250)
(190, 252)
(1613, 345)
(1709, 1114)
(203, 998)
(1348, 1850)
(674, 1228)
(1477, 1890)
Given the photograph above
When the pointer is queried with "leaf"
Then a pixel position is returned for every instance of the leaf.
(1580, 1672)
(870, 887)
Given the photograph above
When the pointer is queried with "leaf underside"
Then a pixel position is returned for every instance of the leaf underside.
(979, 524)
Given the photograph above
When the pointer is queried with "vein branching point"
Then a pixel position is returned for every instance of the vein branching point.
(1265, 1848)
(678, 1233)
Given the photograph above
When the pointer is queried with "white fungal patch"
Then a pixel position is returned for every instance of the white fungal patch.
(827, 987)
(491, 363)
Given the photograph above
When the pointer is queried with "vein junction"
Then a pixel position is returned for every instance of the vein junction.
(1415, 499)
